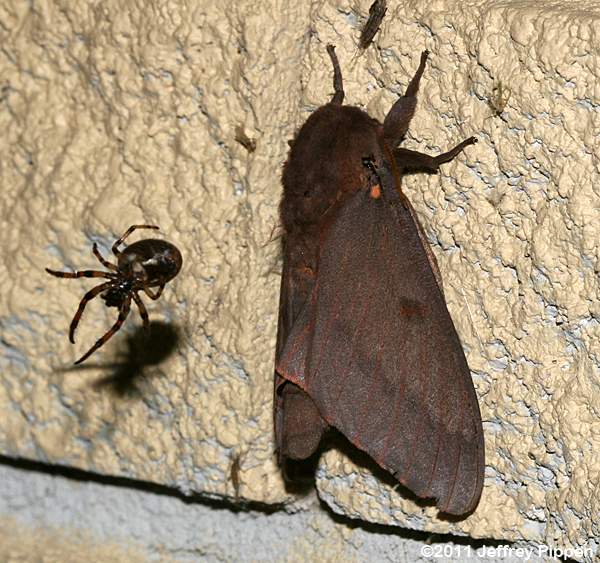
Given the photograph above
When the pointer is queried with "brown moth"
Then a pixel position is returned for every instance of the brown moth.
(365, 343)
(376, 14)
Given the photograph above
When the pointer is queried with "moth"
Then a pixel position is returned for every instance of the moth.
(365, 342)
(376, 14)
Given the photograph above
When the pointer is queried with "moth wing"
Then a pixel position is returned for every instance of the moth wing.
(376, 350)
(299, 426)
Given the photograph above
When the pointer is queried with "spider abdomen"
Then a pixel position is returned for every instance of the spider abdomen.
(156, 261)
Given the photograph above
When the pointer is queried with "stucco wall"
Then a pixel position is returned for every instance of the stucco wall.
(114, 114)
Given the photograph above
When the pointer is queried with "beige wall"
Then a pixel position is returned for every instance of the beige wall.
(116, 115)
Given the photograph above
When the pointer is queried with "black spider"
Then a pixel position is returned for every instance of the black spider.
(140, 266)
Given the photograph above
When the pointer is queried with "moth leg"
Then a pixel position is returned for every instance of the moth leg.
(398, 118)
(413, 160)
(338, 86)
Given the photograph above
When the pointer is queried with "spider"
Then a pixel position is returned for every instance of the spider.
(140, 266)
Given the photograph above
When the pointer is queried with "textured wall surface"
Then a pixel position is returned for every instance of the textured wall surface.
(115, 115)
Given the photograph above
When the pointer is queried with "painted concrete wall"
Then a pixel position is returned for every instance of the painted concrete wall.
(69, 520)
(118, 114)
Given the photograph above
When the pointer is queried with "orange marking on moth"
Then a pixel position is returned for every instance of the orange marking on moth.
(376, 191)
(307, 271)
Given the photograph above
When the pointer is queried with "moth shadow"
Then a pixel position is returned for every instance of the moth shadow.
(300, 476)
(364, 461)
(143, 351)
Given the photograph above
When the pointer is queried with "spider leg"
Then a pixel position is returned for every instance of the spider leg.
(154, 296)
(84, 301)
(143, 311)
(104, 262)
(119, 241)
(81, 274)
(123, 312)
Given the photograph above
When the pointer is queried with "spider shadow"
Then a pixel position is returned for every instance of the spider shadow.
(143, 351)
